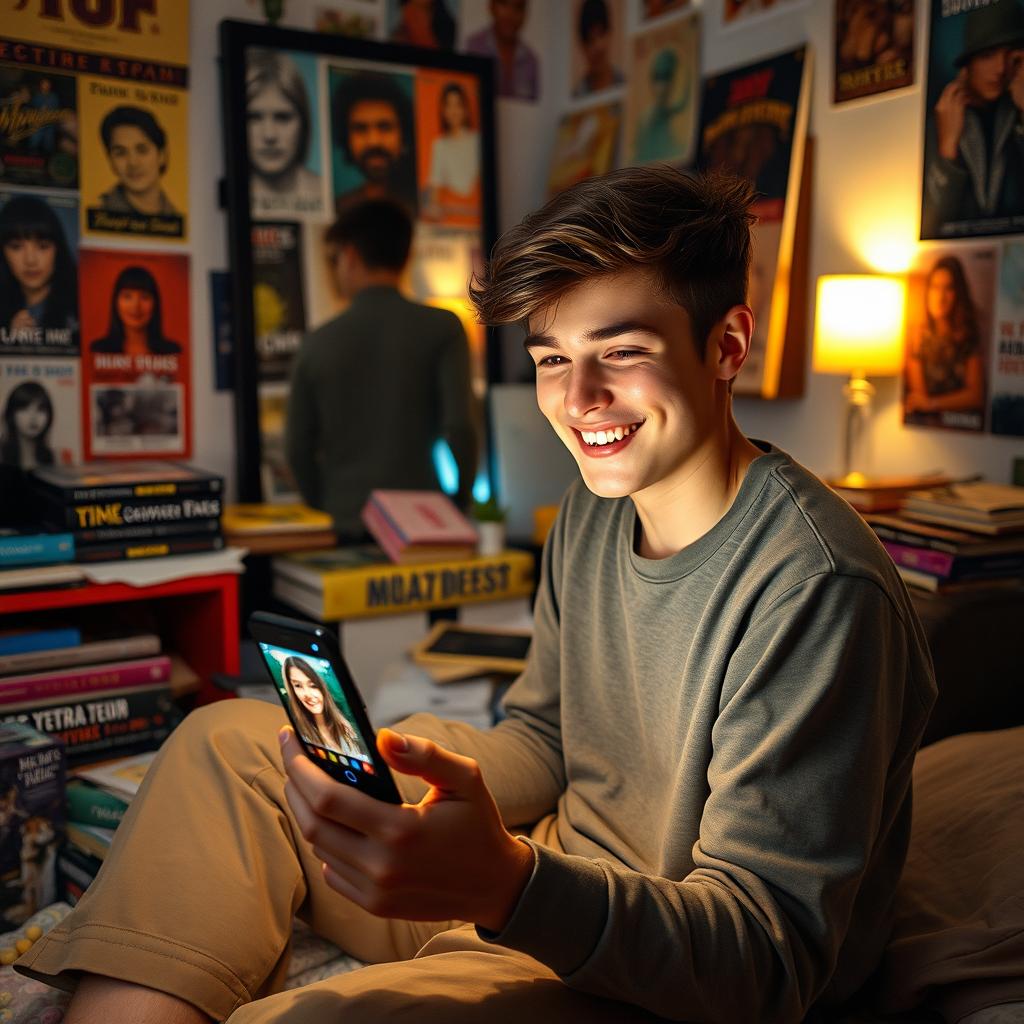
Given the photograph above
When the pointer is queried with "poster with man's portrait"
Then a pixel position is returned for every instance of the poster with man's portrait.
(974, 104)
(510, 33)
(282, 116)
(135, 353)
(38, 128)
(585, 146)
(38, 273)
(432, 24)
(874, 47)
(950, 305)
(40, 422)
(598, 46)
(134, 159)
(448, 148)
(373, 136)
(663, 93)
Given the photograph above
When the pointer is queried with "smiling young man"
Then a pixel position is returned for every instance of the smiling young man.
(708, 754)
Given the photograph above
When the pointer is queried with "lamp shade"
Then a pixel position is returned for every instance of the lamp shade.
(858, 324)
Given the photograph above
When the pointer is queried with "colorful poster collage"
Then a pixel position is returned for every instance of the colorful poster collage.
(94, 340)
(323, 133)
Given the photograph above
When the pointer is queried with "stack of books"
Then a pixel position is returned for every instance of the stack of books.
(270, 529)
(882, 494)
(97, 798)
(37, 560)
(958, 537)
(102, 695)
(116, 511)
(418, 526)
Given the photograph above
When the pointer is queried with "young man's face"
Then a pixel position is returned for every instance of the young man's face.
(616, 363)
(987, 73)
(509, 16)
(375, 138)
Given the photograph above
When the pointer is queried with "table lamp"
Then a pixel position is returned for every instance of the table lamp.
(858, 330)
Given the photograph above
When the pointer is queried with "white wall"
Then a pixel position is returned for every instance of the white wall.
(866, 189)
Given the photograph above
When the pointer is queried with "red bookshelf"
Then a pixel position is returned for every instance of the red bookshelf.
(198, 617)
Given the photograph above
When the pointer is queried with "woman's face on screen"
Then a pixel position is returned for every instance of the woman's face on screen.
(274, 132)
(135, 308)
(308, 694)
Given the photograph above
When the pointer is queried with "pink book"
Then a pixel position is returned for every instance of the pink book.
(937, 563)
(113, 675)
(382, 531)
(426, 518)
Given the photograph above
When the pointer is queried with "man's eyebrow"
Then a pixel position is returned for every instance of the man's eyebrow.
(595, 334)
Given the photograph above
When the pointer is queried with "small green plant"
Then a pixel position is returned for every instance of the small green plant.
(488, 511)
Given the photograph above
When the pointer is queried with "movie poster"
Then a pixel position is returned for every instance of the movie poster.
(950, 303)
(510, 34)
(974, 102)
(874, 47)
(135, 354)
(38, 128)
(739, 12)
(1007, 408)
(280, 318)
(655, 8)
(433, 26)
(598, 46)
(753, 123)
(586, 146)
(373, 136)
(448, 148)
(283, 125)
(663, 93)
(38, 274)
(275, 475)
(40, 421)
(134, 141)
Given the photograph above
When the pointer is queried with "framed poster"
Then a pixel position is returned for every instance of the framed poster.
(295, 159)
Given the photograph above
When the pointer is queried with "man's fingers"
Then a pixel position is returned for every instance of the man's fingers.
(415, 755)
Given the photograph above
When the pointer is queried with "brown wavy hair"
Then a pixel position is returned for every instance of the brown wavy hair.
(692, 230)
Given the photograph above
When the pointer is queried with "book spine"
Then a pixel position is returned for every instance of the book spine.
(936, 563)
(75, 871)
(102, 725)
(383, 530)
(385, 589)
(91, 678)
(38, 549)
(97, 515)
(201, 487)
(146, 532)
(130, 550)
(91, 653)
(40, 640)
(987, 567)
(913, 539)
(90, 805)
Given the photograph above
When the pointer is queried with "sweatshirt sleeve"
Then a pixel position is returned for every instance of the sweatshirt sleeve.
(801, 779)
(521, 757)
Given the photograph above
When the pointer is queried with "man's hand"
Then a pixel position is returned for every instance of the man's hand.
(449, 857)
(949, 115)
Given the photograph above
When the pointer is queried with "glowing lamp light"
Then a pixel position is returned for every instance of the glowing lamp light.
(858, 330)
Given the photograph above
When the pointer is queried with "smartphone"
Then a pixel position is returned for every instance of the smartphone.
(322, 702)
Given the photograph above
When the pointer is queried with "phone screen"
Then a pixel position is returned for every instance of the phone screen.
(318, 708)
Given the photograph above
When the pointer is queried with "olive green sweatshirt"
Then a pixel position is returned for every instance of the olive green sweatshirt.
(727, 735)
(371, 392)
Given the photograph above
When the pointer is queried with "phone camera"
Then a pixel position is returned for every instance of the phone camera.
(315, 647)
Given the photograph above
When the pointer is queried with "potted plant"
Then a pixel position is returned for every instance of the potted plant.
(489, 520)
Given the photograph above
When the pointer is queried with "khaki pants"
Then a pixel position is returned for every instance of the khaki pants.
(198, 894)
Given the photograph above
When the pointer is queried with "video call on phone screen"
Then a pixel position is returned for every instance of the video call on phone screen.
(318, 708)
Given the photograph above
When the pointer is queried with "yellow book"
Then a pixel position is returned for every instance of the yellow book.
(358, 582)
(269, 518)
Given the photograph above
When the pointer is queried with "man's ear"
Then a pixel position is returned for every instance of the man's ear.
(730, 341)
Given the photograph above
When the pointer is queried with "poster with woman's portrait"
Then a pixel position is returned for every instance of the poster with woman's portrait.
(432, 24)
(373, 137)
(134, 159)
(135, 354)
(949, 323)
(585, 147)
(448, 148)
(38, 274)
(38, 128)
(663, 93)
(40, 420)
(598, 51)
(282, 115)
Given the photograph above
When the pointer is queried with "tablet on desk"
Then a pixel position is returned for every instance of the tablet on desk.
(476, 647)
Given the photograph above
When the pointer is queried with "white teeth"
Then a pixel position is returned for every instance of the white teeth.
(608, 436)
